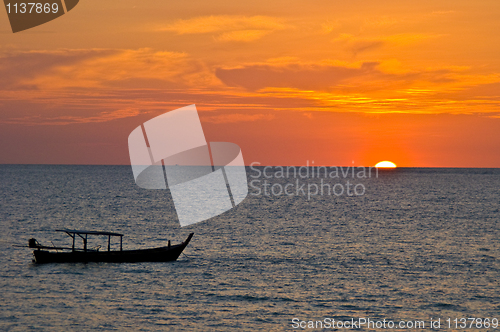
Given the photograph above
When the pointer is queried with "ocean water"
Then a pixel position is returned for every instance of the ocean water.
(418, 244)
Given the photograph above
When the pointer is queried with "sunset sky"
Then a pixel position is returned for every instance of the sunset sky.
(334, 82)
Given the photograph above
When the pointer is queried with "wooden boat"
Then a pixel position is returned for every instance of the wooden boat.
(47, 254)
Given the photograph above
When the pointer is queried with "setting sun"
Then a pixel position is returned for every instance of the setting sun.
(386, 164)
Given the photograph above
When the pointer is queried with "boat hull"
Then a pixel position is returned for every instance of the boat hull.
(160, 254)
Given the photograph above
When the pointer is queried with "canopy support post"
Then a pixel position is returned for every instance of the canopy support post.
(109, 242)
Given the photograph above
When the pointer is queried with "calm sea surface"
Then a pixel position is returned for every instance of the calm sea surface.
(418, 244)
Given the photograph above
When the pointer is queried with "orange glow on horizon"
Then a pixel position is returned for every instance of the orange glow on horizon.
(386, 164)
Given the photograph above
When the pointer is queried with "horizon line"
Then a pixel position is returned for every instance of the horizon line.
(380, 168)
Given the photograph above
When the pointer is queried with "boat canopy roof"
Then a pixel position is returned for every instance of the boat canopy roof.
(73, 231)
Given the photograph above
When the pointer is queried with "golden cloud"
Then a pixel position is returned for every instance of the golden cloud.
(139, 68)
(330, 26)
(357, 44)
(69, 119)
(66, 84)
(227, 27)
(242, 35)
(237, 117)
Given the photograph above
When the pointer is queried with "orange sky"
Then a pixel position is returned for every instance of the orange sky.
(414, 82)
